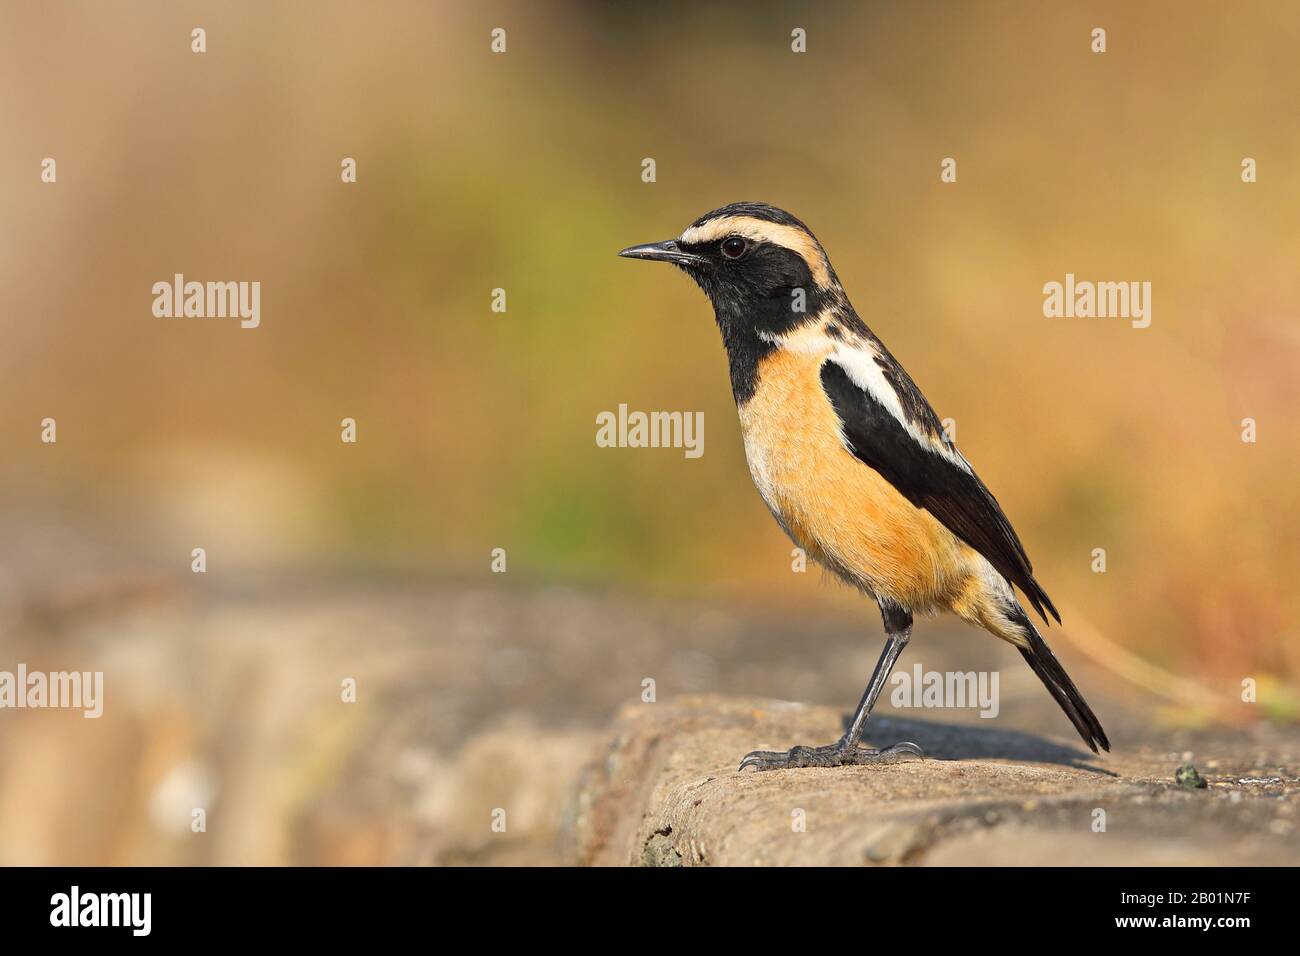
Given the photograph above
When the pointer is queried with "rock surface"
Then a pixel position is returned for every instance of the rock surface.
(665, 792)
(477, 709)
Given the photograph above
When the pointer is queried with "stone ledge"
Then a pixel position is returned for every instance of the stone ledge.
(665, 792)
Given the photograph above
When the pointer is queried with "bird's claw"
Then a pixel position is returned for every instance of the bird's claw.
(832, 755)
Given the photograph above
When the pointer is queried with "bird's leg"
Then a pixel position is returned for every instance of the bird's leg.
(847, 752)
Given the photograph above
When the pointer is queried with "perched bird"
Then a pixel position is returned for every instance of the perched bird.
(853, 462)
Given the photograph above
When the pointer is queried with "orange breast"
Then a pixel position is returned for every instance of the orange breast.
(840, 511)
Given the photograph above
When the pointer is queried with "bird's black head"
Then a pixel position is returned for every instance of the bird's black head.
(763, 269)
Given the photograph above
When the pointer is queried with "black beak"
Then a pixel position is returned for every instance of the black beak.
(666, 251)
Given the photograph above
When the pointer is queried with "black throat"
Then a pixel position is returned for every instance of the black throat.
(745, 349)
(750, 326)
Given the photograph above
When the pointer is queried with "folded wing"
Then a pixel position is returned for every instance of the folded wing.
(888, 425)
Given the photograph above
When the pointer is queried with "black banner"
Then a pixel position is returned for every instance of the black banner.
(339, 905)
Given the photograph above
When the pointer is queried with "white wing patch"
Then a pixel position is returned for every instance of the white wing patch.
(858, 360)
(859, 363)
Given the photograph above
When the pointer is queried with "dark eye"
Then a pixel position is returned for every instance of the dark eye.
(733, 247)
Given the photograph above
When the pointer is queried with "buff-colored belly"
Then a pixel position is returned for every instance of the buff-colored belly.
(840, 511)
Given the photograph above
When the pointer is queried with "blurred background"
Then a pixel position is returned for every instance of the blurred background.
(522, 171)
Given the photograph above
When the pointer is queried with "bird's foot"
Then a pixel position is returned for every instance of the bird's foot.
(840, 754)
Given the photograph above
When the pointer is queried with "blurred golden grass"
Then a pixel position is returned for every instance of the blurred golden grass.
(522, 172)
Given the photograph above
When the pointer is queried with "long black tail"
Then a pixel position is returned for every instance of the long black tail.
(1058, 683)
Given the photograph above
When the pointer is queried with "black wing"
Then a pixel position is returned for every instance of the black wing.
(926, 478)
